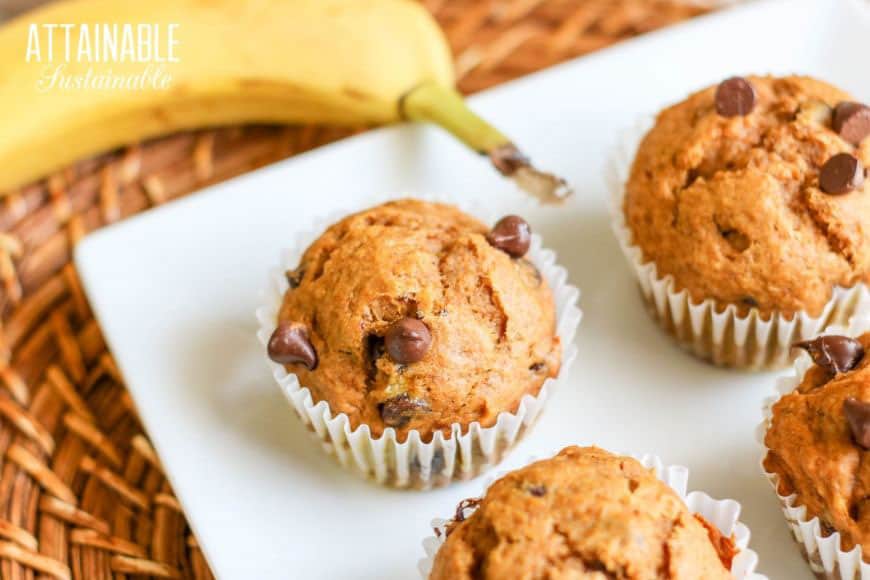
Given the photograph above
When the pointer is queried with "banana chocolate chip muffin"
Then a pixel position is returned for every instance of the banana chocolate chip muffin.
(818, 440)
(415, 316)
(752, 193)
(585, 513)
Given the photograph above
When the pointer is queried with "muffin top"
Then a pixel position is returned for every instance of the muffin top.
(818, 440)
(414, 315)
(730, 194)
(585, 513)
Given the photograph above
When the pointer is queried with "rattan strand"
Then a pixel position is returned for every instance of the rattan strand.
(82, 493)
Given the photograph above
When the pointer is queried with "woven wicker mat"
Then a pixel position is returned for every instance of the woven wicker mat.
(82, 493)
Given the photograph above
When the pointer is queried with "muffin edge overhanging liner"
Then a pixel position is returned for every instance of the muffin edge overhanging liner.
(823, 553)
(724, 514)
(711, 330)
(410, 464)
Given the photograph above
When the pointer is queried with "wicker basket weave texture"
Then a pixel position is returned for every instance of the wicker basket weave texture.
(82, 493)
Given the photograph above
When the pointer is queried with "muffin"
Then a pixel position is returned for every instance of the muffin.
(418, 325)
(750, 198)
(585, 513)
(818, 447)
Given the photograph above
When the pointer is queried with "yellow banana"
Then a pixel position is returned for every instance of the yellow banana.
(221, 62)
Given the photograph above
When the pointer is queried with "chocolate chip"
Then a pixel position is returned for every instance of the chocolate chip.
(398, 411)
(858, 415)
(407, 341)
(289, 344)
(294, 277)
(512, 235)
(459, 517)
(837, 354)
(852, 121)
(841, 174)
(466, 504)
(538, 490)
(538, 366)
(735, 97)
(749, 301)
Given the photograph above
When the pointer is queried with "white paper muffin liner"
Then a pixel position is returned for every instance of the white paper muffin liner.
(823, 553)
(724, 514)
(415, 463)
(709, 329)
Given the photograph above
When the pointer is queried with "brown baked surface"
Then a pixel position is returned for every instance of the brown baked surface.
(492, 318)
(812, 450)
(731, 207)
(585, 513)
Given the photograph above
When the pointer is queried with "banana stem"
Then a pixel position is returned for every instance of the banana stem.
(446, 108)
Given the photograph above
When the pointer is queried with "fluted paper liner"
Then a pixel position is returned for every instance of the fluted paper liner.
(414, 463)
(712, 330)
(823, 552)
(724, 514)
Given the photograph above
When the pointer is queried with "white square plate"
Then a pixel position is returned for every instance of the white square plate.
(176, 287)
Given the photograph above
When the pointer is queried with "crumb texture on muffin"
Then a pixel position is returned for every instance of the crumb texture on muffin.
(489, 335)
(732, 207)
(585, 513)
(813, 450)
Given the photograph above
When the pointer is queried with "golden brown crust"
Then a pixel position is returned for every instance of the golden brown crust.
(492, 319)
(731, 207)
(812, 451)
(584, 514)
